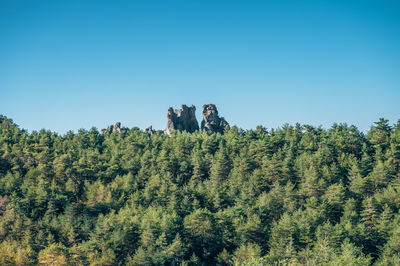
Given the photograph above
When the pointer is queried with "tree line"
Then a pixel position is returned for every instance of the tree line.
(294, 195)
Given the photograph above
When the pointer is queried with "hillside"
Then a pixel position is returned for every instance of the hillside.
(293, 195)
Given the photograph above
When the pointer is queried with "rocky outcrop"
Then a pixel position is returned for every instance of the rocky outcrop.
(113, 128)
(211, 121)
(150, 130)
(183, 119)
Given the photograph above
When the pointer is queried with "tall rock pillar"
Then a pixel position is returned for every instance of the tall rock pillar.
(211, 121)
(183, 119)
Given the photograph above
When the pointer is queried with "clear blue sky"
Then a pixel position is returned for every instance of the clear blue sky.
(77, 64)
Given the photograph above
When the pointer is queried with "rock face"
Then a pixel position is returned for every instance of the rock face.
(113, 128)
(183, 119)
(211, 120)
(150, 130)
(117, 127)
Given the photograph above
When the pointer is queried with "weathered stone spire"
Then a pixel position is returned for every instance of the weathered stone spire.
(211, 120)
(183, 119)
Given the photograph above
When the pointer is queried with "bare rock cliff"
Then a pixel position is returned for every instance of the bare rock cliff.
(183, 119)
(211, 121)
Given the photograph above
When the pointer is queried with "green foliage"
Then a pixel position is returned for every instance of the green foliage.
(297, 195)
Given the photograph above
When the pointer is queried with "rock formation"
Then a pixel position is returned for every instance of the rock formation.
(183, 119)
(211, 120)
(150, 130)
(113, 128)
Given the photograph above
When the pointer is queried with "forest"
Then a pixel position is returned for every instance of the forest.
(295, 195)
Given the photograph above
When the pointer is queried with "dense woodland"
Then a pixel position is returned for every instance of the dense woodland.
(289, 196)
